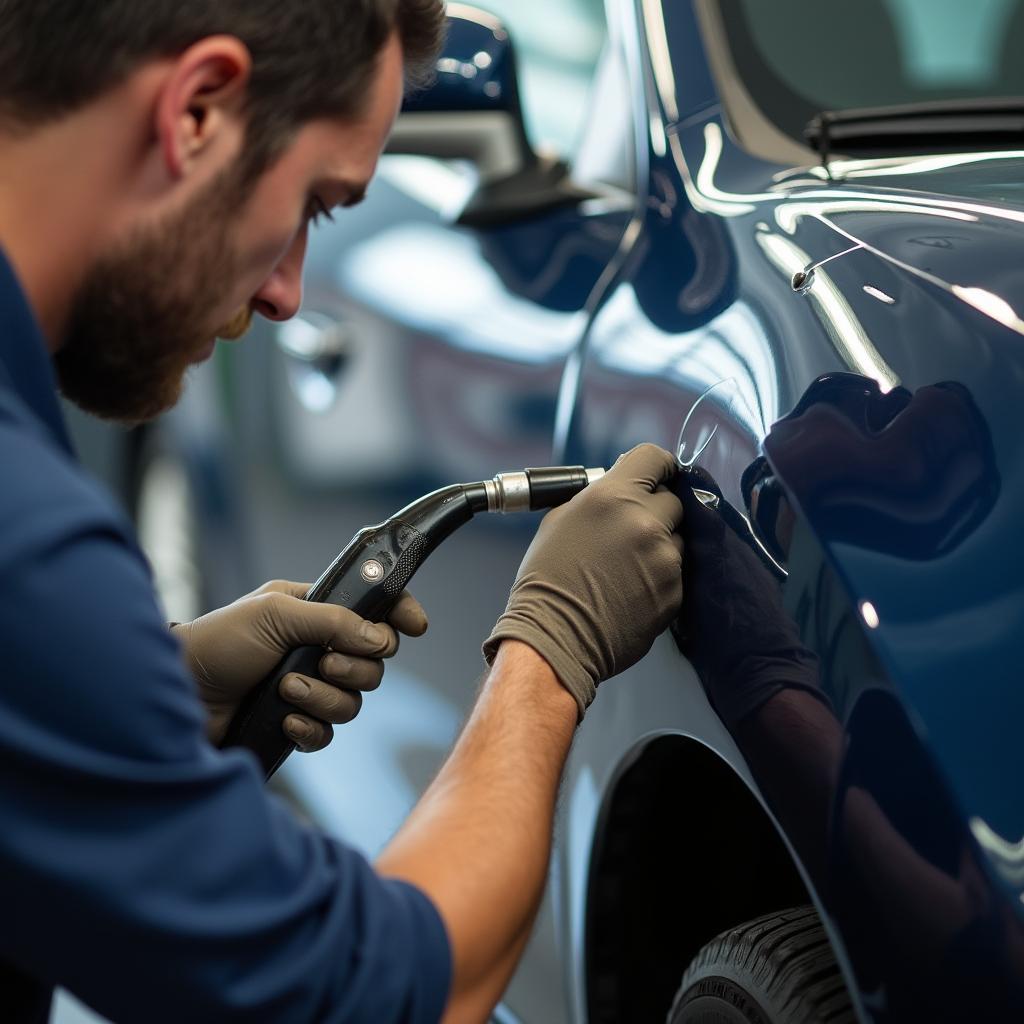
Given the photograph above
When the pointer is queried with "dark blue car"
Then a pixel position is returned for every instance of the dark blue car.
(787, 241)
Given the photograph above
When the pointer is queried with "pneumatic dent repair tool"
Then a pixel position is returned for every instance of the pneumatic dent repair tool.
(371, 573)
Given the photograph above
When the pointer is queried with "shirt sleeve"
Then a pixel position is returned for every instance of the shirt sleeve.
(140, 868)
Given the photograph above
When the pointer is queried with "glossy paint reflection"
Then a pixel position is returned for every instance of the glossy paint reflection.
(979, 242)
(906, 474)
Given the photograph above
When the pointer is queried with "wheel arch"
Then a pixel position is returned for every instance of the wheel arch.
(683, 850)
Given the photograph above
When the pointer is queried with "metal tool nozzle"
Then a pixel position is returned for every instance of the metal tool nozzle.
(508, 492)
(535, 489)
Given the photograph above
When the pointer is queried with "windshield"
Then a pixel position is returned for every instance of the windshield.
(797, 59)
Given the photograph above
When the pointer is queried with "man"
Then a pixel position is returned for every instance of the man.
(159, 166)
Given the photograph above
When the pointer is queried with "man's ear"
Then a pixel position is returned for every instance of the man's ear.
(199, 107)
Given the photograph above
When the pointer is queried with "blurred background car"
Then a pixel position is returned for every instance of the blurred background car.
(683, 223)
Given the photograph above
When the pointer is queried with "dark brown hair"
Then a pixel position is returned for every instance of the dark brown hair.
(311, 58)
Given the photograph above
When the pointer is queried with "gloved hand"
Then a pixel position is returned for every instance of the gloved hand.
(602, 578)
(231, 650)
(733, 627)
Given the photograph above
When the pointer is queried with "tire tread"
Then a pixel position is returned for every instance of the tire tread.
(790, 962)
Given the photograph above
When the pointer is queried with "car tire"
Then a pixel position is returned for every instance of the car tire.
(776, 969)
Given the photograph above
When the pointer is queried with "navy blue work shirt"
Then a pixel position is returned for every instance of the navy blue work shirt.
(140, 868)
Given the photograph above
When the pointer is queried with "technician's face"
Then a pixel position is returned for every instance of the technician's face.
(154, 306)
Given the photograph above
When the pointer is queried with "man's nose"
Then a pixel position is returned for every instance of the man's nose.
(280, 296)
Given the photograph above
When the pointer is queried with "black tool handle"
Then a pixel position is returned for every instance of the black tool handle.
(368, 577)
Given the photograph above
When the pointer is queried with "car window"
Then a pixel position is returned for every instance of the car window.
(952, 45)
(559, 47)
(797, 61)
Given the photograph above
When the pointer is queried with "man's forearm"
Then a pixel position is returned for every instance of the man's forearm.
(602, 578)
(479, 841)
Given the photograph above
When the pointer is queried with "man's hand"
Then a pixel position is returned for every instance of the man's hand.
(231, 650)
(603, 576)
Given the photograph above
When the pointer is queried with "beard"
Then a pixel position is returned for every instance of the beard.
(237, 326)
(142, 315)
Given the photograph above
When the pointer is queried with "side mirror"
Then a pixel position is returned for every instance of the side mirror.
(473, 112)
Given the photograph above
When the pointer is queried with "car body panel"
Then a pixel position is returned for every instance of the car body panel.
(911, 284)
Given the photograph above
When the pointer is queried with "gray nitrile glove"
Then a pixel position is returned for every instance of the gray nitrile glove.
(231, 650)
(603, 576)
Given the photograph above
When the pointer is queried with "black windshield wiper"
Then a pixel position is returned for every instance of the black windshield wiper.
(950, 125)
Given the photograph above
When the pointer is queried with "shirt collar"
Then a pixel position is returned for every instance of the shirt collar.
(24, 358)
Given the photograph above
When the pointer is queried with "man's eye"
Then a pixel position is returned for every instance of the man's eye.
(318, 211)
